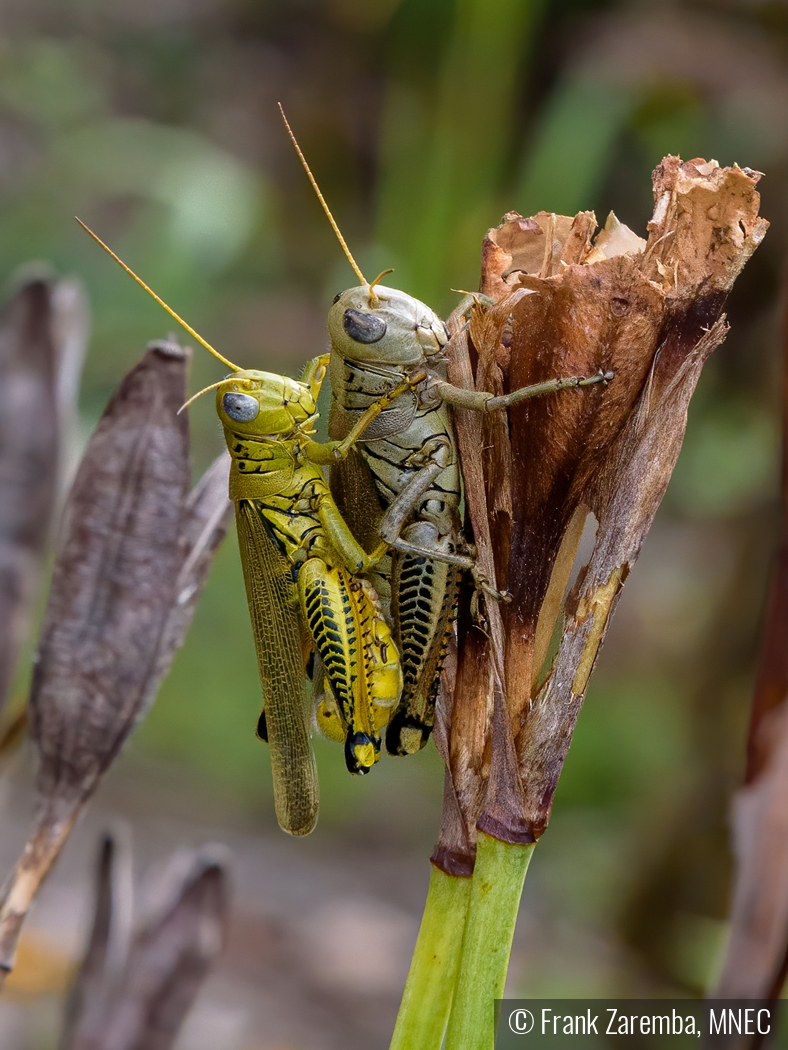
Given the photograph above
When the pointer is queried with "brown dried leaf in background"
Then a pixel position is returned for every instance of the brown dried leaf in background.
(141, 1004)
(114, 581)
(208, 513)
(134, 553)
(106, 955)
(756, 958)
(71, 322)
(43, 337)
(171, 956)
(29, 449)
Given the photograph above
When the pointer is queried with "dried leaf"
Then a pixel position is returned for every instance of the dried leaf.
(170, 958)
(71, 332)
(208, 513)
(28, 461)
(705, 226)
(643, 461)
(756, 960)
(142, 1004)
(106, 956)
(134, 553)
(114, 580)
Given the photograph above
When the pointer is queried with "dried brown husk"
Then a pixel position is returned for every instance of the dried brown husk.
(134, 550)
(564, 304)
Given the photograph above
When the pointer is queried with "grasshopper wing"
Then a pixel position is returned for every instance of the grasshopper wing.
(273, 608)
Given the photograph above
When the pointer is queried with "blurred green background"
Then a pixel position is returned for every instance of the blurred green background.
(424, 120)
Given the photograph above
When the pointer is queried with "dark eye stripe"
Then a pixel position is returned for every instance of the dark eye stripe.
(363, 327)
(240, 407)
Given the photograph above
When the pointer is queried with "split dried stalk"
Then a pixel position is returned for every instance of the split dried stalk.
(566, 304)
(134, 552)
(557, 302)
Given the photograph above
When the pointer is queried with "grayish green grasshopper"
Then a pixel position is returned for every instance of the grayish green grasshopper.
(380, 336)
(404, 482)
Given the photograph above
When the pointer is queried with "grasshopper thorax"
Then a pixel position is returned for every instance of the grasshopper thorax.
(386, 326)
(261, 403)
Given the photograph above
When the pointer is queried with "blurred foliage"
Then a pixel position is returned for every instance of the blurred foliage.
(424, 120)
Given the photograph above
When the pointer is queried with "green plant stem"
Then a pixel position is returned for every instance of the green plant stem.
(496, 888)
(426, 1001)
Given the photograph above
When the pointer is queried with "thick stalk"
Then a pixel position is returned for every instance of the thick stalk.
(426, 1001)
(496, 887)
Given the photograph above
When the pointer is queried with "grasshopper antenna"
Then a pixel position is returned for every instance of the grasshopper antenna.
(322, 200)
(160, 301)
(205, 389)
(378, 279)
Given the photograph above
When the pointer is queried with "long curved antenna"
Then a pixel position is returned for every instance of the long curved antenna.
(322, 200)
(204, 390)
(161, 302)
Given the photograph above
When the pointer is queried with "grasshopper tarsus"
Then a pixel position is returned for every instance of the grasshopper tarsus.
(406, 734)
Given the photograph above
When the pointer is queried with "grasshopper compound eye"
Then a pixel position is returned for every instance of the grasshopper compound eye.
(363, 327)
(240, 407)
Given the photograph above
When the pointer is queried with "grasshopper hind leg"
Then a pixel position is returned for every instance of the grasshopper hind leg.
(327, 716)
(342, 620)
(407, 733)
(424, 593)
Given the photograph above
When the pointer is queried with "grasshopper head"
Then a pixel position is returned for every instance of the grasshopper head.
(385, 326)
(261, 403)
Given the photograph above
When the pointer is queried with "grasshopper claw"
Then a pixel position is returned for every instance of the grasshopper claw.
(483, 584)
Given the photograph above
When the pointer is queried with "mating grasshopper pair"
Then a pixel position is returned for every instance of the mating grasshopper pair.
(395, 474)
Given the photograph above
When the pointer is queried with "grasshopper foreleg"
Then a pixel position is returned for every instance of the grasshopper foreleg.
(480, 401)
(334, 451)
(392, 527)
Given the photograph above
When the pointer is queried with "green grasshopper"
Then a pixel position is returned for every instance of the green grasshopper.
(403, 484)
(299, 555)
(301, 566)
